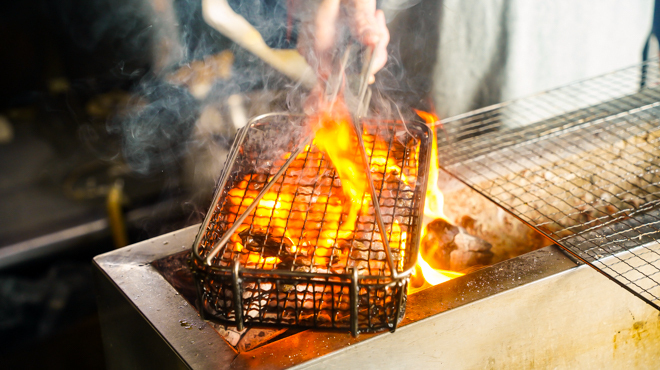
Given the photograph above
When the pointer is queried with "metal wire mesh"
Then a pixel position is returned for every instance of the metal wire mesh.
(299, 265)
(580, 164)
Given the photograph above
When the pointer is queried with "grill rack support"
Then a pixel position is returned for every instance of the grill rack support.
(580, 165)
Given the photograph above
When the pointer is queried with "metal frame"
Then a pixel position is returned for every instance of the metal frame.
(397, 281)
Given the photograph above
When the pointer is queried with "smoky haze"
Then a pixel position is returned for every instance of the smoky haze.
(159, 128)
(157, 131)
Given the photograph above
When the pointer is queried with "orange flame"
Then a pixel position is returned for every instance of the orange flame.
(279, 213)
(434, 198)
(433, 207)
(336, 137)
(329, 217)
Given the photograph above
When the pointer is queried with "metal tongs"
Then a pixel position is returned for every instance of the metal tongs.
(337, 81)
(358, 112)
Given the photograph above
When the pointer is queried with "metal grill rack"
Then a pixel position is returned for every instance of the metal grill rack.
(276, 266)
(580, 164)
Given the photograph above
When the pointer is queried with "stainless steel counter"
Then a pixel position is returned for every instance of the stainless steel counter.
(534, 311)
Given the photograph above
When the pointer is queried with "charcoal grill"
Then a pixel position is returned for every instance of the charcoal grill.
(270, 251)
(536, 308)
(580, 164)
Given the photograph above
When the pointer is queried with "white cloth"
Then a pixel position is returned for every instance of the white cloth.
(496, 50)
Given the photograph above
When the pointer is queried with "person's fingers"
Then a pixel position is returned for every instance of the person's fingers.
(325, 24)
(380, 53)
(369, 27)
(317, 35)
(362, 17)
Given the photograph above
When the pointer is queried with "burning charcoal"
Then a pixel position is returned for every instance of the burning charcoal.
(360, 245)
(469, 224)
(376, 266)
(259, 179)
(387, 202)
(361, 265)
(338, 269)
(302, 264)
(470, 251)
(266, 244)
(286, 264)
(305, 190)
(254, 337)
(360, 255)
(303, 269)
(386, 193)
(368, 219)
(304, 250)
(377, 245)
(403, 203)
(363, 235)
(327, 178)
(401, 186)
(465, 241)
(387, 213)
(340, 250)
(378, 255)
(438, 243)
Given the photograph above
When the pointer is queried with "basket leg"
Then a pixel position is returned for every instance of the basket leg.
(355, 289)
(199, 302)
(401, 286)
(238, 295)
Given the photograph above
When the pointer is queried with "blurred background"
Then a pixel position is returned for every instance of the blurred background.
(116, 117)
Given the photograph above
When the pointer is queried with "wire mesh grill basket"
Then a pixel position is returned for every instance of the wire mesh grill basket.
(581, 164)
(273, 249)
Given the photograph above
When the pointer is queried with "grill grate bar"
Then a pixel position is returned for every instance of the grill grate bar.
(581, 164)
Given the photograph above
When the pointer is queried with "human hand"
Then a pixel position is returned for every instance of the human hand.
(318, 36)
